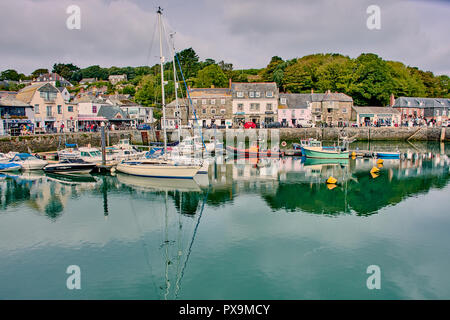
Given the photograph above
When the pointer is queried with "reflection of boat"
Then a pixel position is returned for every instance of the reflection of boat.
(71, 178)
(315, 150)
(70, 166)
(159, 184)
(388, 155)
(158, 169)
(253, 152)
(316, 161)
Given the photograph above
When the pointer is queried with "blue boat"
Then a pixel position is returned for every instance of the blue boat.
(388, 155)
(5, 167)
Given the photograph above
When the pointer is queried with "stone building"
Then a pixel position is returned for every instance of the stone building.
(213, 106)
(255, 102)
(116, 78)
(415, 110)
(173, 114)
(376, 116)
(333, 109)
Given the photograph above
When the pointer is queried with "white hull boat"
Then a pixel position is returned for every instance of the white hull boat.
(158, 169)
(28, 161)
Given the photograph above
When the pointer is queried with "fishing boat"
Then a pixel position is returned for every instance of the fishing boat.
(70, 166)
(388, 155)
(159, 168)
(6, 167)
(28, 161)
(315, 150)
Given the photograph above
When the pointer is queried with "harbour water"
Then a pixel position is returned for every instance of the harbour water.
(268, 229)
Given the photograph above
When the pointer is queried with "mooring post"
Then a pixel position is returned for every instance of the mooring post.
(103, 144)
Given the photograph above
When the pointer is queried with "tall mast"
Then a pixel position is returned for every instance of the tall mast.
(176, 87)
(161, 61)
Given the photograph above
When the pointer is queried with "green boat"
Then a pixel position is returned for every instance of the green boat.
(315, 150)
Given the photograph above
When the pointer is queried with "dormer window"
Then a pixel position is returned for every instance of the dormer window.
(240, 94)
(251, 94)
(283, 100)
(257, 94)
(269, 94)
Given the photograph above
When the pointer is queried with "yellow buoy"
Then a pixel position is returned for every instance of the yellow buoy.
(380, 161)
(331, 180)
(353, 154)
(380, 165)
(331, 186)
(374, 170)
(374, 174)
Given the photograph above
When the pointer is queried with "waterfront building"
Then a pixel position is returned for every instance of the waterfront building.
(14, 115)
(294, 110)
(50, 109)
(115, 116)
(332, 109)
(88, 108)
(376, 116)
(255, 102)
(114, 79)
(87, 81)
(65, 93)
(136, 112)
(213, 107)
(417, 111)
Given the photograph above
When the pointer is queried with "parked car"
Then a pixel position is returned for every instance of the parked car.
(144, 126)
(273, 125)
(249, 125)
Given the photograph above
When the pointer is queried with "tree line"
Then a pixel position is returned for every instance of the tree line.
(368, 79)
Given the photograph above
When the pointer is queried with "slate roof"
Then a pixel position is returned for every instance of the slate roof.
(110, 112)
(254, 86)
(415, 102)
(181, 101)
(89, 98)
(209, 91)
(376, 110)
(294, 100)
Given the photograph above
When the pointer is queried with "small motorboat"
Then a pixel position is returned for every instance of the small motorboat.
(316, 150)
(158, 169)
(6, 167)
(28, 161)
(70, 166)
(388, 155)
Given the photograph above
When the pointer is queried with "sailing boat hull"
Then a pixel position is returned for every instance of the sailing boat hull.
(158, 170)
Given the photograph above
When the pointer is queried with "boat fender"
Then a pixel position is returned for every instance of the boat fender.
(283, 144)
(374, 170)
(353, 154)
(380, 161)
(331, 180)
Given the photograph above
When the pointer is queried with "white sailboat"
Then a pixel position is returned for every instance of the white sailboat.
(159, 168)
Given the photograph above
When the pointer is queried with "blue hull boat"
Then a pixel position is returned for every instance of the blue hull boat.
(5, 167)
(388, 155)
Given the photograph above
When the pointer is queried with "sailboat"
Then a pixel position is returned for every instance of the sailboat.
(159, 168)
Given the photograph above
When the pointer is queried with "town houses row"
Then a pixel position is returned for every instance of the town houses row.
(42, 107)
(263, 104)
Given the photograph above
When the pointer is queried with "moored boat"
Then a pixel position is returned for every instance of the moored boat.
(315, 150)
(28, 161)
(158, 169)
(388, 155)
(6, 167)
(70, 166)
(253, 152)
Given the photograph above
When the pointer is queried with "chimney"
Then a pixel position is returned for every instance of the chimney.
(312, 90)
(229, 83)
(212, 86)
(392, 100)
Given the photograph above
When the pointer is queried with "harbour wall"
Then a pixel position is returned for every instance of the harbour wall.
(52, 142)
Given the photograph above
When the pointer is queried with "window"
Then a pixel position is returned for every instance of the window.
(222, 101)
(213, 111)
(203, 101)
(94, 109)
(240, 107)
(344, 110)
(283, 100)
(222, 111)
(59, 109)
(194, 101)
(70, 108)
(240, 94)
(213, 101)
(302, 111)
(254, 106)
(204, 111)
(269, 94)
(269, 107)
(251, 94)
(49, 111)
(36, 108)
(257, 94)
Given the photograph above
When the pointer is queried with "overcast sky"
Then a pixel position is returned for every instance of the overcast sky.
(247, 33)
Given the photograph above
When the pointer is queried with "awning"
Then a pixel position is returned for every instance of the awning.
(91, 119)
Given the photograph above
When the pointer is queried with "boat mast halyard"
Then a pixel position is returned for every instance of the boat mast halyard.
(177, 105)
(161, 61)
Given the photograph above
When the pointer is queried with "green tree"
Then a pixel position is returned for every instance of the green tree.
(189, 62)
(36, 73)
(10, 74)
(65, 70)
(211, 75)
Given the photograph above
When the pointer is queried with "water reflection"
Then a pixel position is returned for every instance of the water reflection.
(292, 184)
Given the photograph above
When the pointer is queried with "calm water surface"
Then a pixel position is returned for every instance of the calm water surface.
(261, 230)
